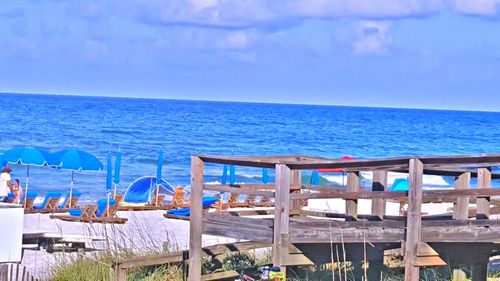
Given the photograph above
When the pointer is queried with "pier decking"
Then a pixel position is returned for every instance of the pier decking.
(465, 236)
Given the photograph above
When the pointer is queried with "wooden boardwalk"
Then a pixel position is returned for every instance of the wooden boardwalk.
(427, 240)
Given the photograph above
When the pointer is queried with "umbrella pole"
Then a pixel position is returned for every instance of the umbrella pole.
(114, 192)
(27, 183)
(107, 207)
(157, 191)
(71, 189)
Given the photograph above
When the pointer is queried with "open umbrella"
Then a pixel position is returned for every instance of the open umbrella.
(27, 156)
(159, 168)
(118, 163)
(77, 160)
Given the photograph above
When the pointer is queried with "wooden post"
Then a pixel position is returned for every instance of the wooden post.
(414, 219)
(461, 206)
(379, 184)
(480, 271)
(351, 206)
(296, 180)
(195, 219)
(281, 214)
(121, 273)
(483, 203)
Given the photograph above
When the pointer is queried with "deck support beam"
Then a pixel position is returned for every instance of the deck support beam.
(379, 184)
(296, 180)
(281, 238)
(195, 219)
(461, 206)
(351, 205)
(483, 203)
(414, 219)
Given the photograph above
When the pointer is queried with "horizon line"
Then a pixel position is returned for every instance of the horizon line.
(249, 101)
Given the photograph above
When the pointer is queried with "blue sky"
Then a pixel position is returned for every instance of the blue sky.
(427, 54)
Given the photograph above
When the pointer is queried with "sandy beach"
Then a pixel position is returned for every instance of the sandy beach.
(144, 232)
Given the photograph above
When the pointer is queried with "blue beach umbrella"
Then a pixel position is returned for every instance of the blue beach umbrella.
(315, 177)
(159, 168)
(223, 179)
(109, 173)
(109, 177)
(265, 176)
(118, 163)
(232, 174)
(77, 160)
(26, 156)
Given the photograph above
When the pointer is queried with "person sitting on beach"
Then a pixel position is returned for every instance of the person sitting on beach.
(18, 190)
(5, 183)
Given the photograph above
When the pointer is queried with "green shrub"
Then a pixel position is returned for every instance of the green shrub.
(83, 269)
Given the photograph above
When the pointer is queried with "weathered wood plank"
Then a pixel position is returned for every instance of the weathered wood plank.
(281, 215)
(461, 206)
(379, 184)
(296, 188)
(350, 195)
(196, 219)
(414, 219)
(244, 186)
(238, 190)
(351, 205)
(427, 195)
(483, 203)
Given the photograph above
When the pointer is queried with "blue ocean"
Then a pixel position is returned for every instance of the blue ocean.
(139, 128)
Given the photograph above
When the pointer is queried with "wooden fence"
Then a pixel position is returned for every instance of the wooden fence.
(15, 272)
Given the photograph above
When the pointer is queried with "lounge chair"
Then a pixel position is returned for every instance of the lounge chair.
(99, 213)
(177, 199)
(49, 203)
(66, 203)
(184, 213)
(30, 198)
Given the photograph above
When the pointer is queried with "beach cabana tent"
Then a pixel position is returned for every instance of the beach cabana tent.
(142, 191)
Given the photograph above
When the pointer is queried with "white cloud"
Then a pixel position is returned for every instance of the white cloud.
(238, 40)
(373, 38)
(476, 7)
(245, 13)
(366, 8)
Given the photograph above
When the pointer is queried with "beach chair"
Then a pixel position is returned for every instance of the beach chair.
(30, 198)
(98, 213)
(177, 199)
(49, 203)
(70, 204)
(184, 213)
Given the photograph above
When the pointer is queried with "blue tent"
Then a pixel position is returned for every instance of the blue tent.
(400, 185)
(143, 190)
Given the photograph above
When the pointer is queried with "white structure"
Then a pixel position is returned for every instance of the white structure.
(11, 235)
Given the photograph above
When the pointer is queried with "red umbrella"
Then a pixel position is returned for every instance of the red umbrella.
(337, 170)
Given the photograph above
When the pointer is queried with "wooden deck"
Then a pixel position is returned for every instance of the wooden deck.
(427, 240)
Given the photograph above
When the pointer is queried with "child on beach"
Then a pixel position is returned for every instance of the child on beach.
(18, 190)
